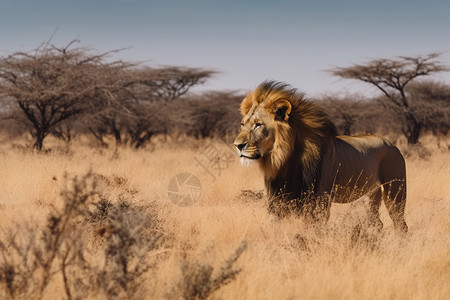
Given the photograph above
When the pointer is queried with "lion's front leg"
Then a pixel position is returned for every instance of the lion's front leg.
(282, 205)
(316, 208)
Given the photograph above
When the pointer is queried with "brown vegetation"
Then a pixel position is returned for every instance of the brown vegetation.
(114, 233)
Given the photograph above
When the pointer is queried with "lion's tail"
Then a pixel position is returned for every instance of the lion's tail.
(392, 175)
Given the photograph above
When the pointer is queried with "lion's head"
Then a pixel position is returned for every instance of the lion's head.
(276, 122)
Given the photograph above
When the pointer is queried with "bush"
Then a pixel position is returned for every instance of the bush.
(198, 281)
(32, 256)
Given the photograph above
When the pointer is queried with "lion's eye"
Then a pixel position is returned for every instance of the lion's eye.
(242, 124)
(257, 125)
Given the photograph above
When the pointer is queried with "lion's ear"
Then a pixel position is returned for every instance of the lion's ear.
(282, 109)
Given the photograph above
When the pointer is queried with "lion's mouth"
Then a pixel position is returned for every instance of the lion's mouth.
(255, 156)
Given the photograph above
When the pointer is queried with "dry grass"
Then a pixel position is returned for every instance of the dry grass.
(203, 245)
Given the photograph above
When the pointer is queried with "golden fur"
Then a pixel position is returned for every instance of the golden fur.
(300, 154)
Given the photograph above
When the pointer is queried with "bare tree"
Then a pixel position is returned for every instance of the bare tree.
(391, 76)
(52, 84)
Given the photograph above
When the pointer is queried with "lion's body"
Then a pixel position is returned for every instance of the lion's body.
(301, 156)
(358, 164)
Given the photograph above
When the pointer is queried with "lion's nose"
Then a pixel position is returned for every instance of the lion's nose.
(241, 146)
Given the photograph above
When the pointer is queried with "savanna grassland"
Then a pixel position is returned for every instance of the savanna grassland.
(82, 222)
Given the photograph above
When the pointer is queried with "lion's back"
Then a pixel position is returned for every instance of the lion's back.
(366, 143)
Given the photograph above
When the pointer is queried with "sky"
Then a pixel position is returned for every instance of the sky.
(246, 41)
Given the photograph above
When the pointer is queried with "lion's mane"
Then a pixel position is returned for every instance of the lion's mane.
(299, 144)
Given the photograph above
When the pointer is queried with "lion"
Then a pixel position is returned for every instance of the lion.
(302, 157)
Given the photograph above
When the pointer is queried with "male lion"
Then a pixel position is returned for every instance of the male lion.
(302, 157)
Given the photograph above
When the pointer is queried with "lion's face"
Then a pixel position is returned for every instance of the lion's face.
(260, 127)
(256, 138)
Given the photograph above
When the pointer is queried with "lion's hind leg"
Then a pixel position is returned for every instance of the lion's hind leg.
(392, 175)
(395, 200)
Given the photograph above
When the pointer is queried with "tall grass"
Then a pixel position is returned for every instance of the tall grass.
(126, 239)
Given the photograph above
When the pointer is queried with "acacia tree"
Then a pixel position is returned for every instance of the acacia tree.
(392, 76)
(170, 82)
(51, 84)
(154, 90)
(432, 104)
(156, 87)
(210, 114)
(354, 114)
(345, 112)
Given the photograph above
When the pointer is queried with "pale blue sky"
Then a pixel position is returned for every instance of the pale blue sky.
(248, 41)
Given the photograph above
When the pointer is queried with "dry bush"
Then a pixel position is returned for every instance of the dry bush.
(126, 248)
(31, 256)
(198, 281)
(251, 196)
(127, 234)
